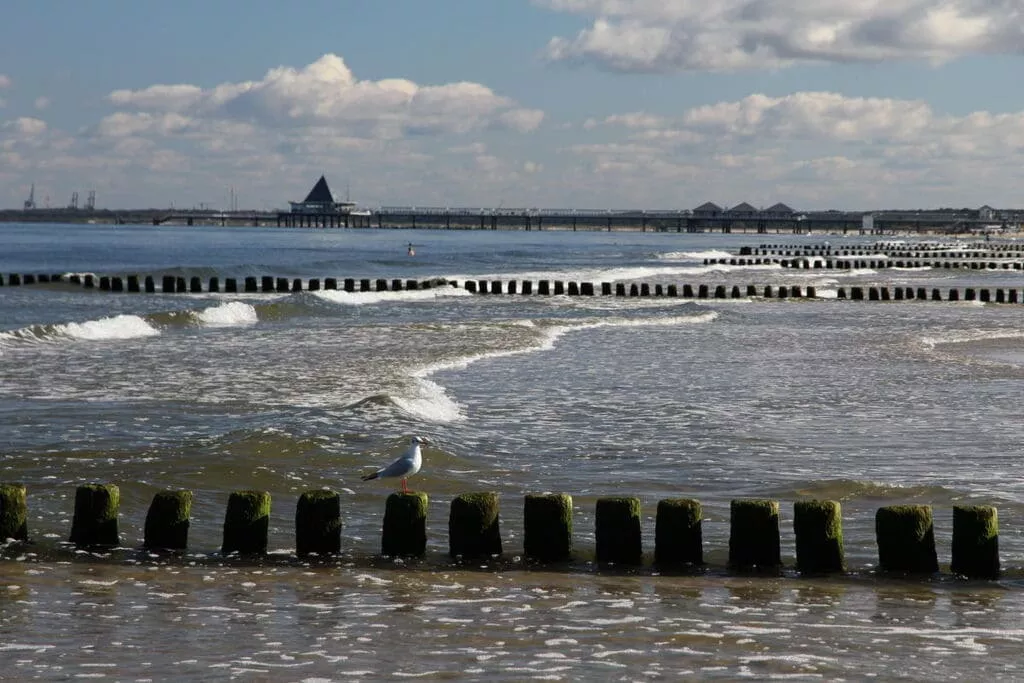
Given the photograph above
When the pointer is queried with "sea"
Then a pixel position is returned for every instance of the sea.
(866, 403)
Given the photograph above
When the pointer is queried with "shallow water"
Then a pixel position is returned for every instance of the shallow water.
(867, 403)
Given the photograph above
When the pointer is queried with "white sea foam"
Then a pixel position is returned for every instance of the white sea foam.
(691, 255)
(338, 296)
(116, 327)
(433, 403)
(965, 336)
(231, 313)
(631, 273)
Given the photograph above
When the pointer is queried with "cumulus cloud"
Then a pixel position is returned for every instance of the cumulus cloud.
(680, 35)
(807, 146)
(5, 81)
(26, 126)
(327, 93)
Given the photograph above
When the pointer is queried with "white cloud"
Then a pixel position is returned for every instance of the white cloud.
(41, 103)
(679, 35)
(327, 93)
(5, 81)
(26, 126)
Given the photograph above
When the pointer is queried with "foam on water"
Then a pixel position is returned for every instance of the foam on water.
(231, 313)
(695, 255)
(116, 327)
(338, 296)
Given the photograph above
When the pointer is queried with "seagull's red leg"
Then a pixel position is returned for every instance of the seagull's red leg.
(405, 489)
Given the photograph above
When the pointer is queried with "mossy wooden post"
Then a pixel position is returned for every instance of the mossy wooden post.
(547, 522)
(405, 525)
(167, 521)
(906, 539)
(95, 520)
(617, 527)
(975, 541)
(247, 523)
(754, 534)
(818, 526)
(473, 525)
(318, 523)
(13, 512)
(677, 532)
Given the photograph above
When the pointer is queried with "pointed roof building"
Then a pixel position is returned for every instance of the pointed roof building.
(743, 208)
(320, 193)
(320, 200)
(780, 209)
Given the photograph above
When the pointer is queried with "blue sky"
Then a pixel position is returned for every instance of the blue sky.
(548, 103)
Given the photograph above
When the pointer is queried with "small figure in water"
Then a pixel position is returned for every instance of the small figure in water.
(412, 252)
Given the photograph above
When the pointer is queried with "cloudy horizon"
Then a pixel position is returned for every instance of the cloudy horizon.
(550, 103)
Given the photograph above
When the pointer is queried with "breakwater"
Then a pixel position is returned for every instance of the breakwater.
(905, 534)
(270, 284)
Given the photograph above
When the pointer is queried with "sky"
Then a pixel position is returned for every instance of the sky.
(590, 104)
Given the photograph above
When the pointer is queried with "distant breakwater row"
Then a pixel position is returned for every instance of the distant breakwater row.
(904, 533)
(267, 284)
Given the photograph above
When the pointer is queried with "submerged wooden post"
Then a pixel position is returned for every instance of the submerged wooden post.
(906, 539)
(473, 526)
(975, 541)
(547, 522)
(167, 521)
(677, 532)
(13, 512)
(754, 534)
(818, 526)
(405, 525)
(318, 523)
(617, 527)
(95, 520)
(247, 523)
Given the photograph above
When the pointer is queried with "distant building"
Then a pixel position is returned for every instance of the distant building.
(707, 210)
(742, 210)
(320, 200)
(987, 213)
(779, 210)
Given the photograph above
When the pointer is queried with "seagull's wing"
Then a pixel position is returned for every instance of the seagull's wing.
(398, 468)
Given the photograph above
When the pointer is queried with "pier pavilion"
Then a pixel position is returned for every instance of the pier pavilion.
(318, 209)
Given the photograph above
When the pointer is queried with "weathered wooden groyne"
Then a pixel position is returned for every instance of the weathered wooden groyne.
(904, 533)
(268, 284)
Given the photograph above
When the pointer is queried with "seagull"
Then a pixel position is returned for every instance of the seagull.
(405, 466)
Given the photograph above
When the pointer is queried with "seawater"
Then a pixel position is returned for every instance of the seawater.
(863, 402)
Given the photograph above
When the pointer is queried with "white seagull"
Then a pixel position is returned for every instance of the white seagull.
(405, 466)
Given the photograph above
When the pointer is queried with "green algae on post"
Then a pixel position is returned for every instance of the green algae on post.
(906, 539)
(547, 522)
(167, 521)
(95, 520)
(677, 532)
(818, 526)
(13, 512)
(754, 534)
(473, 525)
(247, 523)
(617, 528)
(975, 541)
(405, 525)
(318, 523)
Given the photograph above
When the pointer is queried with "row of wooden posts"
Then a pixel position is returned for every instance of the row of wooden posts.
(924, 250)
(853, 264)
(904, 533)
(559, 288)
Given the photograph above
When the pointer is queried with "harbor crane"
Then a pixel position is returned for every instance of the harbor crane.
(30, 203)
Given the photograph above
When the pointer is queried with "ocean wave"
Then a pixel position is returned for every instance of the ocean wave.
(227, 314)
(860, 489)
(338, 296)
(116, 327)
(968, 336)
(618, 274)
(691, 255)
